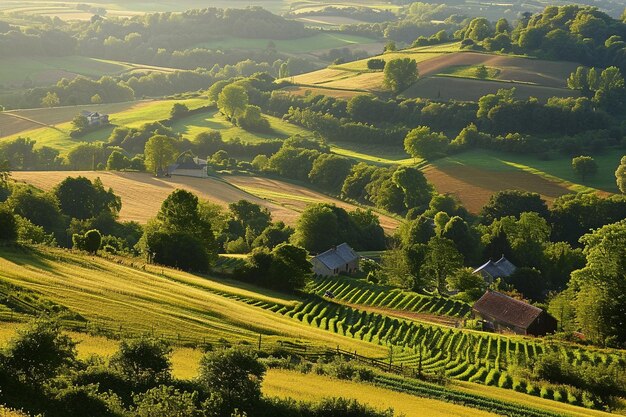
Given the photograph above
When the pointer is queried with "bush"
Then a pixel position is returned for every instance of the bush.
(81, 401)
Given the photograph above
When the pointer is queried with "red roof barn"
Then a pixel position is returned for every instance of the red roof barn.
(509, 314)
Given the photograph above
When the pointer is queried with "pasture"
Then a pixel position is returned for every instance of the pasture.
(310, 387)
(142, 194)
(473, 176)
(445, 74)
(126, 297)
(56, 134)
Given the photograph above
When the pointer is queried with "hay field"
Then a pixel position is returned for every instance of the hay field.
(311, 387)
(142, 194)
(296, 197)
(144, 298)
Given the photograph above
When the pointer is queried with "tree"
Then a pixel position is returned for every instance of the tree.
(482, 72)
(503, 26)
(601, 285)
(465, 281)
(8, 224)
(232, 100)
(159, 153)
(400, 74)
(165, 401)
(96, 99)
(81, 199)
(329, 171)
(93, 240)
(315, 227)
(620, 175)
(584, 166)
(80, 122)
(441, 261)
(417, 190)
(144, 361)
(50, 100)
(117, 161)
(422, 142)
(529, 282)
(250, 215)
(376, 64)
(479, 29)
(39, 351)
(179, 236)
(512, 203)
(458, 231)
(233, 377)
(178, 110)
(391, 46)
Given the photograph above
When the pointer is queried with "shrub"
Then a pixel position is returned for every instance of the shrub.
(505, 381)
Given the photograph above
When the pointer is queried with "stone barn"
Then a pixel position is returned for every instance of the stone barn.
(507, 314)
(337, 260)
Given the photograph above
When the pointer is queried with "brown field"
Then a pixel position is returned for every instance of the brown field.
(473, 186)
(295, 197)
(16, 121)
(531, 77)
(142, 194)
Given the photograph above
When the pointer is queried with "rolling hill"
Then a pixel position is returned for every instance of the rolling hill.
(142, 194)
(531, 77)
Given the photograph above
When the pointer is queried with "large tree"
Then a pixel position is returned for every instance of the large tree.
(399, 74)
(601, 285)
(81, 199)
(584, 166)
(159, 153)
(441, 261)
(232, 101)
(512, 203)
(421, 142)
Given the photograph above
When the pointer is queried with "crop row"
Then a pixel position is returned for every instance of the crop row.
(359, 292)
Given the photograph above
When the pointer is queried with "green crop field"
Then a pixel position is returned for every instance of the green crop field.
(317, 42)
(469, 71)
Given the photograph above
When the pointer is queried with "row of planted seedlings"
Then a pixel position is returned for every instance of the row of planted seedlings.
(459, 354)
(362, 293)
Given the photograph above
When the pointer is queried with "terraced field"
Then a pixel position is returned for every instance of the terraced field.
(360, 293)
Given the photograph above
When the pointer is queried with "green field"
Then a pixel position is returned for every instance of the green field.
(317, 42)
(192, 125)
(559, 170)
(469, 71)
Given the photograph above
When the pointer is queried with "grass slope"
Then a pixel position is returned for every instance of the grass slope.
(311, 387)
(160, 300)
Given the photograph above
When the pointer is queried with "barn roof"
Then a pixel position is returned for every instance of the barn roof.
(507, 310)
(337, 256)
(501, 268)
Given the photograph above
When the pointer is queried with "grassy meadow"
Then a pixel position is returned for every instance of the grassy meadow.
(130, 297)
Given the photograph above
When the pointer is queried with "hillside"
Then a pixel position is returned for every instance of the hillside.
(122, 296)
(445, 73)
(142, 193)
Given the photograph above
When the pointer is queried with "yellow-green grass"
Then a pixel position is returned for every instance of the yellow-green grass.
(162, 301)
(58, 137)
(308, 44)
(521, 398)
(191, 126)
(374, 154)
(311, 387)
(185, 361)
(418, 56)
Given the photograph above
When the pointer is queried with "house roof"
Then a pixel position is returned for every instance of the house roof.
(501, 268)
(507, 310)
(337, 256)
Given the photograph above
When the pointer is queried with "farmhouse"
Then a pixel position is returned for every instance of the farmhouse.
(95, 118)
(491, 270)
(189, 167)
(507, 314)
(337, 260)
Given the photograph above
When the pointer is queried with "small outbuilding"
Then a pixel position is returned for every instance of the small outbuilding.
(491, 270)
(341, 259)
(506, 314)
(95, 118)
(189, 167)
